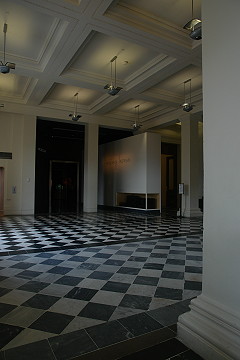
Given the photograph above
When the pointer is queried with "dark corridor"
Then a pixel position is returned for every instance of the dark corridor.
(64, 187)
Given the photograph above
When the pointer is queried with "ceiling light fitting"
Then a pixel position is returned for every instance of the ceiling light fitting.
(194, 27)
(136, 126)
(112, 88)
(75, 116)
(187, 106)
(5, 66)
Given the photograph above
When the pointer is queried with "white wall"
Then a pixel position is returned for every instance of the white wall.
(17, 135)
(130, 165)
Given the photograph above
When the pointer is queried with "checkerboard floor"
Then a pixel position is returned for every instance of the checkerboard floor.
(26, 234)
(62, 275)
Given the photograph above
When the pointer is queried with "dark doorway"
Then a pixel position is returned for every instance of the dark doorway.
(169, 176)
(63, 142)
(64, 187)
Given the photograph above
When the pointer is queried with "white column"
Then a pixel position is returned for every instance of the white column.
(212, 327)
(190, 166)
(90, 168)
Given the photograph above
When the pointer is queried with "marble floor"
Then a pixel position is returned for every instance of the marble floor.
(73, 285)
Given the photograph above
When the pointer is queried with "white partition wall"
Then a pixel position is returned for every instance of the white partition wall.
(191, 165)
(212, 327)
(17, 136)
(130, 165)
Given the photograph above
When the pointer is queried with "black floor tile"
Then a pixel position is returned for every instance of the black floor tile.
(69, 280)
(33, 286)
(51, 262)
(52, 322)
(108, 333)
(38, 351)
(128, 270)
(153, 266)
(69, 252)
(28, 274)
(173, 275)
(81, 293)
(97, 311)
(175, 262)
(116, 287)
(168, 315)
(114, 262)
(137, 258)
(7, 333)
(168, 293)
(193, 269)
(45, 255)
(59, 270)
(77, 258)
(6, 308)
(4, 291)
(193, 285)
(136, 302)
(101, 275)
(71, 345)
(22, 265)
(102, 255)
(140, 324)
(158, 255)
(146, 280)
(88, 266)
(195, 258)
(40, 301)
(162, 351)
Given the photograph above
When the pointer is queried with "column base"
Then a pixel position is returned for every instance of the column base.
(85, 209)
(211, 331)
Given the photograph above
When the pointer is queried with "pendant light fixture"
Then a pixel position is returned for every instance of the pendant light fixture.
(112, 88)
(195, 27)
(5, 66)
(136, 125)
(187, 105)
(75, 116)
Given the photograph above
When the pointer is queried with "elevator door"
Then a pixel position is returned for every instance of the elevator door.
(64, 187)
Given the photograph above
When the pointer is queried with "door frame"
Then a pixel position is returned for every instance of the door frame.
(50, 181)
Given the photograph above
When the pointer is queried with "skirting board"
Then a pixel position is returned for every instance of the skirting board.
(210, 331)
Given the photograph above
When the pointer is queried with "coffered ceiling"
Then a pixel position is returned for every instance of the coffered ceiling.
(64, 47)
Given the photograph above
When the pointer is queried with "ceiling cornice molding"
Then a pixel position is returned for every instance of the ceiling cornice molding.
(48, 112)
(164, 96)
(171, 116)
(147, 22)
(149, 69)
(52, 40)
(22, 97)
